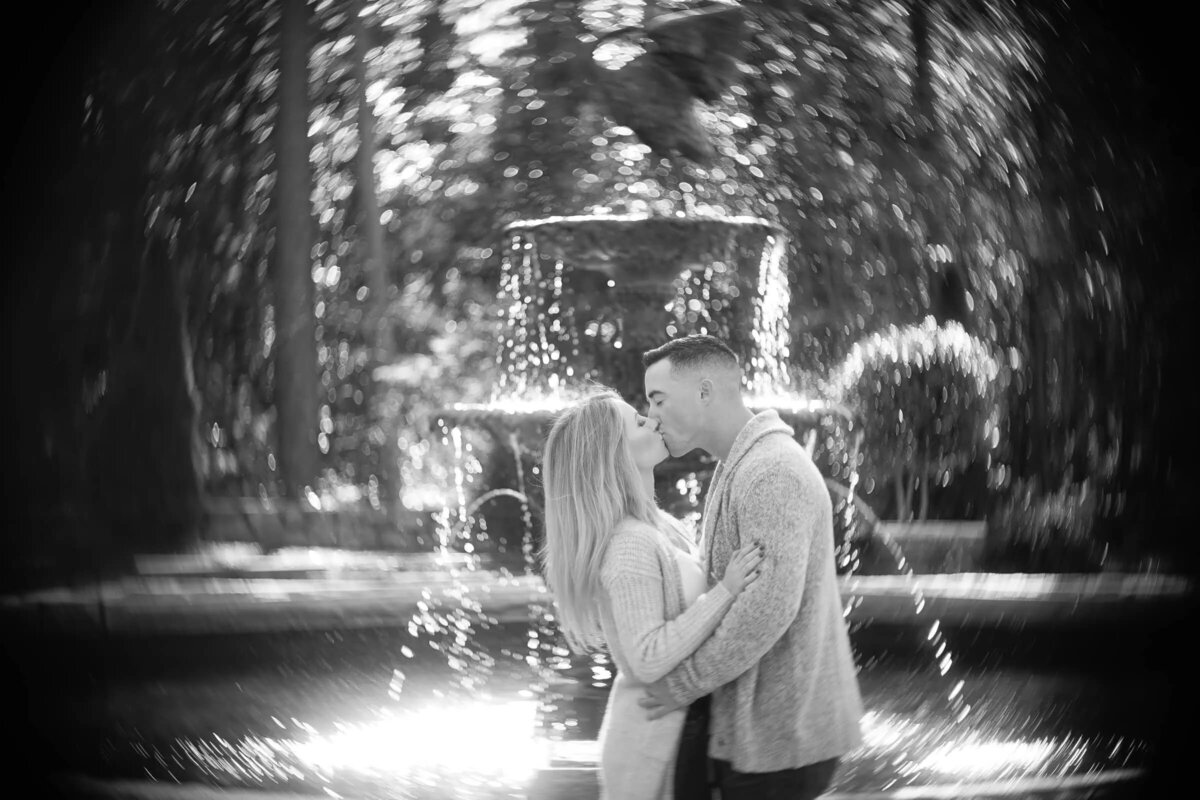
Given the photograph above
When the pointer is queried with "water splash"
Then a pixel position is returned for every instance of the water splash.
(768, 374)
(581, 296)
(449, 618)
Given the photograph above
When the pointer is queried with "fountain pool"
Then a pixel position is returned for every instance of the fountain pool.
(380, 713)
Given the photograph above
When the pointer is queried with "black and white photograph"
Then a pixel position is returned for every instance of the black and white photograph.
(601, 400)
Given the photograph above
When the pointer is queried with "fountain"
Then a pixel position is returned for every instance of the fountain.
(581, 297)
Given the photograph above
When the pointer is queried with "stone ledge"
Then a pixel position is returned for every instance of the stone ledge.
(938, 546)
(936, 529)
(266, 605)
(276, 523)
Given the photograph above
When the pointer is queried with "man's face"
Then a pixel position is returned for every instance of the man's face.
(675, 403)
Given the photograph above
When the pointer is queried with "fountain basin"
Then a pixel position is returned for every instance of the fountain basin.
(640, 249)
(581, 297)
(248, 603)
(369, 712)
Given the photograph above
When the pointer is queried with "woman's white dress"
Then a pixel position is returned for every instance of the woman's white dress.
(658, 609)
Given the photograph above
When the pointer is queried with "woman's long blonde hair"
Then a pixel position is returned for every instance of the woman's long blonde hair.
(591, 484)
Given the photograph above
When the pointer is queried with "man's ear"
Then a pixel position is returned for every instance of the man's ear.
(706, 390)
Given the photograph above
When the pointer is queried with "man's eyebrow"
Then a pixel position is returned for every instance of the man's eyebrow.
(651, 394)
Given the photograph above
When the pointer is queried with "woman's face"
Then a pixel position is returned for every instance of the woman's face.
(645, 442)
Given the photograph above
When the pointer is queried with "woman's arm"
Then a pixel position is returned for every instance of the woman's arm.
(653, 645)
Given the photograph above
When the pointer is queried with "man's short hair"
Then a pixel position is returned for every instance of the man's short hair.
(693, 351)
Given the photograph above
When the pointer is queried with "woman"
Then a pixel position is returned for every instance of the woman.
(623, 572)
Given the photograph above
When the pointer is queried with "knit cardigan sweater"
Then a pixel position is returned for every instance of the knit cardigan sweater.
(779, 667)
(644, 623)
(648, 632)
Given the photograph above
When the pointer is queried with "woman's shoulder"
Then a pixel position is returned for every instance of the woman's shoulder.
(633, 532)
(632, 541)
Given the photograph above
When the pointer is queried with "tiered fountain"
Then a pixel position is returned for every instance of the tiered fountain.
(581, 298)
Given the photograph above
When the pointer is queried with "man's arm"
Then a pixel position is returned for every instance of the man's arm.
(778, 508)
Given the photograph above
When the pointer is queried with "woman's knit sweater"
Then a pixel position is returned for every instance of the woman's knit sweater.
(643, 619)
(648, 632)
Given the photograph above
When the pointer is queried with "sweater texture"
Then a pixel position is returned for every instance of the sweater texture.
(779, 667)
(648, 631)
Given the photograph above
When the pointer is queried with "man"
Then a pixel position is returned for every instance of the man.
(785, 701)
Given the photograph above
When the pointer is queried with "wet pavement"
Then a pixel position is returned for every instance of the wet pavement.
(219, 596)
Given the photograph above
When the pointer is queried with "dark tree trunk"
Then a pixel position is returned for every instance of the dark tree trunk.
(923, 83)
(947, 290)
(50, 536)
(110, 448)
(143, 459)
(296, 384)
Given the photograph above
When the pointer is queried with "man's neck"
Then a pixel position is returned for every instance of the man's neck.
(725, 432)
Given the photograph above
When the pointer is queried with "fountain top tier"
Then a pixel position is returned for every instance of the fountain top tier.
(582, 297)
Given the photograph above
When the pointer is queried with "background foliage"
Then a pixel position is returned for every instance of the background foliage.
(991, 164)
(926, 400)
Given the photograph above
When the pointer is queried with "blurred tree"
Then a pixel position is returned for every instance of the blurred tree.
(378, 324)
(1091, 335)
(295, 349)
(926, 399)
(947, 301)
(885, 137)
(137, 433)
(650, 76)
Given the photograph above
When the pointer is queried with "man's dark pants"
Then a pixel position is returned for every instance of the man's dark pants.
(697, 778)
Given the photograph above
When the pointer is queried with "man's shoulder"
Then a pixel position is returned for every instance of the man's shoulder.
(776, 457)
(776, 447)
